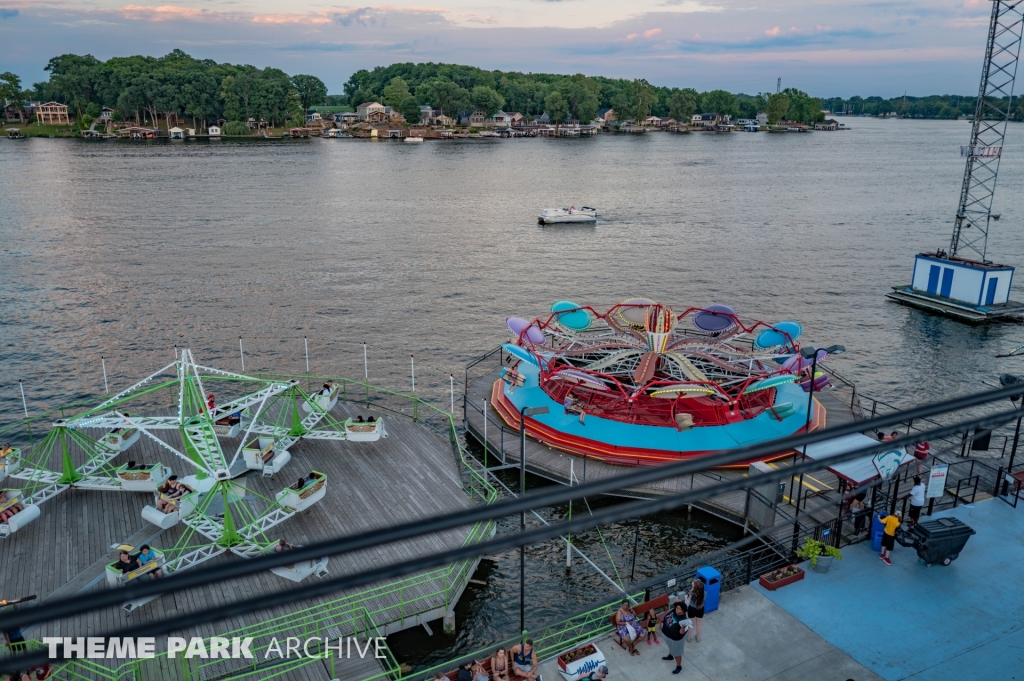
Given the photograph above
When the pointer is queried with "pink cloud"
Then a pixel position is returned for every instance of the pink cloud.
(646, 35)
(773, 31)
(651, 33)
(165, 13)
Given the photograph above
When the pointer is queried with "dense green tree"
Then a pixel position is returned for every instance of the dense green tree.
(718, 102)
(311, 90)
(235, 128)
(10, 88)
(776, 108)
(410, 108)
(682, 104)
(395, 93)
(557, 107)
(582, 96)
(487, 100)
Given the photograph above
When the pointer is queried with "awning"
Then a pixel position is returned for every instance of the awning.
(857, 471)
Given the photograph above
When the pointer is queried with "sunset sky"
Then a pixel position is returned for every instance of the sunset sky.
(826, 48)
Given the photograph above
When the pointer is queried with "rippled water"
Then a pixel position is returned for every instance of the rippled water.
(123, 250)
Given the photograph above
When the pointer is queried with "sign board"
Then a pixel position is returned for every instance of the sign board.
(887, 463)
(937, 481)
(980, 151)
(671, 582)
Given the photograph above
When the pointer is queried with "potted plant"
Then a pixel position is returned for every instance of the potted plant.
(581, 660)
(819, 553)
(776, 579)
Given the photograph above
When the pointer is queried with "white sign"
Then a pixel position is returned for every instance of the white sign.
(937, 481)
(888, 462)
(979, 151)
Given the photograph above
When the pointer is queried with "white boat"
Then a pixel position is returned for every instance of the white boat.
(413, 140)
(489, 133)
(551, 216)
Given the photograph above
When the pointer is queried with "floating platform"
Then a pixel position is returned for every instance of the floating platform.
(1011, 310)
(67, 547)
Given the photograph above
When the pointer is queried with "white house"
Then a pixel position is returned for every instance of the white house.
(762, 119)
(501, 120)
(107, 113)
(214, 130)
(365, 109)
(176, 133)
(705, 120)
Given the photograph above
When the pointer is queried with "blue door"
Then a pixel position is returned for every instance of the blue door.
(990, 297)
(947, 282)
(933, 279)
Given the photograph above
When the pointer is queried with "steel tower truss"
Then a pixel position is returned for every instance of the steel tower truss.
(995, 102)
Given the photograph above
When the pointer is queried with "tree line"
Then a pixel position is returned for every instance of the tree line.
(459, 89)
(145, 89)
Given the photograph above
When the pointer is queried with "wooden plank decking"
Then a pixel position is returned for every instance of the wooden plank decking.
(553, 464)
(411, 474)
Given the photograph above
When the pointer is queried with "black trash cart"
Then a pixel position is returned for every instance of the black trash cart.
(937, 541)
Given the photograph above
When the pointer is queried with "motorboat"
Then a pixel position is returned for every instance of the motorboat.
(551, 216)
(414, 140)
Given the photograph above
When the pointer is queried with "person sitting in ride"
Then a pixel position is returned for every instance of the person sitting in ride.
(209, 401)
(126, 563)
(5, 450)
(359, 419)
(283, 545)
(371, 419)
(146, 555)
(174, 490)
(12, 510)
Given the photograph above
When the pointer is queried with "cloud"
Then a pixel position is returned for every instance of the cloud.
(772, 31)
(649, 34)
(166, 13)
(8, 13)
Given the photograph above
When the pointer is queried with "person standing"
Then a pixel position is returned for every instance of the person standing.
(858, 509)
(892, 523)
(675, 626)
(695, 607)
(921, 451)
(916, 500)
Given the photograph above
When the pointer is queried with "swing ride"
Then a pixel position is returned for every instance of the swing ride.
(639, 384)
(218, 445)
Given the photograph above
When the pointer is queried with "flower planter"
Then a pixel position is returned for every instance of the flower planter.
(823, 564)
(781, 581)
(579, 661)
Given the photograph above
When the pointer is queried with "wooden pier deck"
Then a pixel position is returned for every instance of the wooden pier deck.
(411, 474)
(554, 464)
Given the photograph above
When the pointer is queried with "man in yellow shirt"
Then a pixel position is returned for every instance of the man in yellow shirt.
(892, 523)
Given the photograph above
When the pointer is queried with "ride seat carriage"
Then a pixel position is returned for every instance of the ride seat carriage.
(10, 463)
(20, 519)
(325, 402)
(121, 438)
(143, 477)
(301, 499)
(116, 578)
(182, 508)
(302, 569)
(228, 426)
(261, 454)
(356, 431)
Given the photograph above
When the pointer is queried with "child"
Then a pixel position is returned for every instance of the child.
(651, 622)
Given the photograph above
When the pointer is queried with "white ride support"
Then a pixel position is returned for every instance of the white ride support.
(365, 432)
(184, 507)
(121, 439)
(143, 478)
(117, 578)
(262, 454)
(299, 571)
(20, 519)
(300, 500)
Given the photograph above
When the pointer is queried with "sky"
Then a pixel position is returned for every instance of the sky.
(827, 48)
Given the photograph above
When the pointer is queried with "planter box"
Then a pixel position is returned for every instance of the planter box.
(772, 586)
(588, 662)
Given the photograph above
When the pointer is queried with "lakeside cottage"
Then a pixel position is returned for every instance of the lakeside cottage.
(52, 113)
(366, 109)
(827, 124)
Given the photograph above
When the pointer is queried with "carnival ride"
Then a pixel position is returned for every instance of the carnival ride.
(639, 384)
(222, 444)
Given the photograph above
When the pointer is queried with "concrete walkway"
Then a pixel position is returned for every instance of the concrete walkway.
(748, 639)
(910, 621)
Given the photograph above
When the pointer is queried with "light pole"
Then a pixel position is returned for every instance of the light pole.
(523, 413)
(1008, 380)
(811, 354)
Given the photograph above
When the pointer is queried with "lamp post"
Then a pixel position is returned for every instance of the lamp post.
(1008, 380)
(523, 413)
(811, 354)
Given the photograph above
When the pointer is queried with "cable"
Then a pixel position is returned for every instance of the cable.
(536, 535)
(546, 497)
